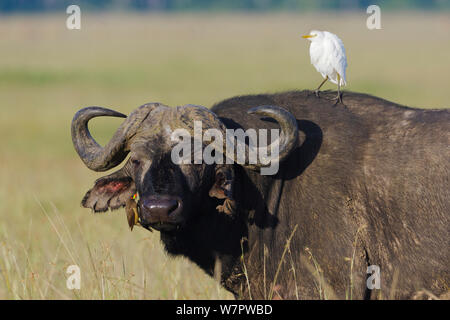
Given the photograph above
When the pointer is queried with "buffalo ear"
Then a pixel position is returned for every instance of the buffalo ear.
(223, 189)
(109, 192)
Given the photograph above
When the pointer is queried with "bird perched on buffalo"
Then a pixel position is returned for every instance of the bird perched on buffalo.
(328, 57)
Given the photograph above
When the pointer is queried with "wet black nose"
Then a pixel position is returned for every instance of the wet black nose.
(158, 210)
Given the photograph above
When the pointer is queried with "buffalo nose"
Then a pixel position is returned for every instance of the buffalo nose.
(158, 210)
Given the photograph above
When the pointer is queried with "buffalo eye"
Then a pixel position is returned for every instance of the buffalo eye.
(136, 162)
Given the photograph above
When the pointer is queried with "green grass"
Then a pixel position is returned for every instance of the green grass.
(47, 73)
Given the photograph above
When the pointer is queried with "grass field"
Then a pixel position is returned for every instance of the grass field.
(121, 61)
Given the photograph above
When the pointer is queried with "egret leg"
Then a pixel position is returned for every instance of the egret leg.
(320, 86)
(339, 95)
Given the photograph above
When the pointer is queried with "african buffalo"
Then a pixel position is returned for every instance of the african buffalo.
(361, 184)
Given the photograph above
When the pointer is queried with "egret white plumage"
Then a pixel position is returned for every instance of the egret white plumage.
(328, 57)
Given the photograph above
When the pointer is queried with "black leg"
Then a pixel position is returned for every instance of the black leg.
(320, 86)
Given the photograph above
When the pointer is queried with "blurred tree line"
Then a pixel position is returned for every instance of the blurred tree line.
(218, 5)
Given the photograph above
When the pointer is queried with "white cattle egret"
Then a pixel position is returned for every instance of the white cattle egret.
(328, 57)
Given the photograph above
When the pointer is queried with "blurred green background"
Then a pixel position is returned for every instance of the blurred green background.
(221, 5)
(124, 58)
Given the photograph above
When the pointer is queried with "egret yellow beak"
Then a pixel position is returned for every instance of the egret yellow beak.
(308, 36)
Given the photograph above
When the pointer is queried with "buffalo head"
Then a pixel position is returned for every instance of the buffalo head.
(169, 194)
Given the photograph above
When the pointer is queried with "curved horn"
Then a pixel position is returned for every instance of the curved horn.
(287, 141)
(100, 158)
(94, 156)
